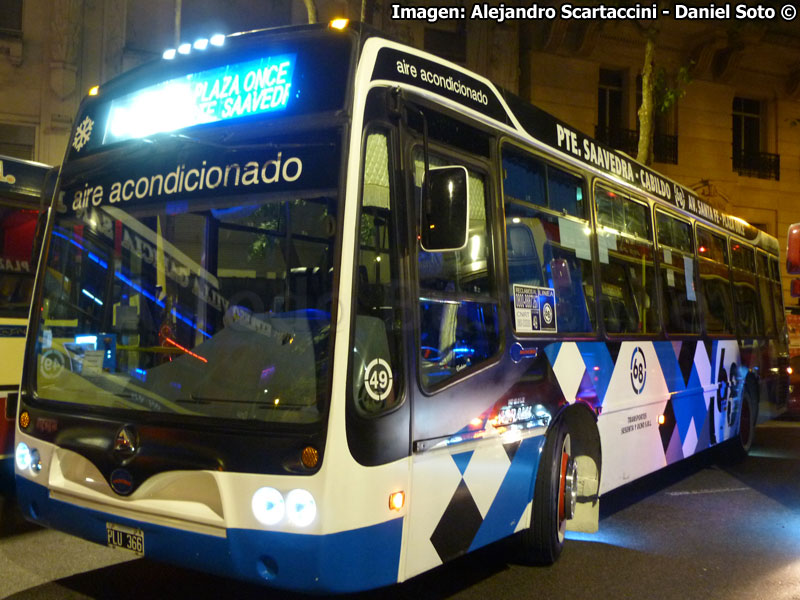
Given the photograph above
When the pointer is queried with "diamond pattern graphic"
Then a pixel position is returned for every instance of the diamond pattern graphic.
(458, 525)
(485, 474)
(569, 369)
(690, 442)
(462, 461)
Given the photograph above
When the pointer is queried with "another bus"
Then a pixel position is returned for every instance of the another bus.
(323, 311)
(21, 185)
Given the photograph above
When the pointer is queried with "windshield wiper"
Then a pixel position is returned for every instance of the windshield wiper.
(192, 399)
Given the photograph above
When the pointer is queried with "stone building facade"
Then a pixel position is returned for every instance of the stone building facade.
(734, 135)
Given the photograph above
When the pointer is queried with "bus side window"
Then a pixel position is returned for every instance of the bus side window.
(458, 312)
(547, 244)
(712, 251)
(777, 294)
(378, 335)
(678, 266)
(748, 310)
(626, 254)
(765, 293)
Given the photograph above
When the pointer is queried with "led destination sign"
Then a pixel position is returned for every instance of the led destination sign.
(249, 88)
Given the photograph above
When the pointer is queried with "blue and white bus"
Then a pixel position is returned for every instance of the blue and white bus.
(22, 183)
(323, 311)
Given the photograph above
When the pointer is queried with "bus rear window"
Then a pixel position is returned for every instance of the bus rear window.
(17, 265)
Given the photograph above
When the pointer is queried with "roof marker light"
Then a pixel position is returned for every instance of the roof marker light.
(200, 44)
(338, 23)
(169, 54)
(185, 48)
(93, 91)
(218, 39)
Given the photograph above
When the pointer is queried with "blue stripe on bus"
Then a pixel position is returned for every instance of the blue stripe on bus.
(599, 363)
(513, 496)
(348, 561)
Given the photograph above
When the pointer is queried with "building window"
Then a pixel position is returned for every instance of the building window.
(748, 158)
(18, 141)
(609, 103)
(11, 18)
(610, 121)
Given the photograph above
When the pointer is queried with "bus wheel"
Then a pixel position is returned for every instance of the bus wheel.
(555, 495)
(737, 448)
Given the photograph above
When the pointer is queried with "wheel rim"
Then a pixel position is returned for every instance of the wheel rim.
(566, 487)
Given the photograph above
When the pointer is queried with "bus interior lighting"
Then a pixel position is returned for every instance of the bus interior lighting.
(301, 507)
(200, 44)
(397, 500)
(218, 39)
(185, 48)
(185, 350)
(169, 54)
(268, 506)
(92, 296)
(339, 23)
(87, 339)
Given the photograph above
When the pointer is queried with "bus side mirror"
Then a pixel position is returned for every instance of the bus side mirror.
(793, 250)
(444, 213)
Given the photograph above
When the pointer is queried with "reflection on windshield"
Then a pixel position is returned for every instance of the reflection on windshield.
(218, 310)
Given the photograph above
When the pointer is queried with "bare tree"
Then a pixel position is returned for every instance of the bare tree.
(644, 153)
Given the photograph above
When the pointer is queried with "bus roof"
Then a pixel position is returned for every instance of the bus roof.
(405, 65)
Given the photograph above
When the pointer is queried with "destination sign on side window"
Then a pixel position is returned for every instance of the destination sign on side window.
(249, 88)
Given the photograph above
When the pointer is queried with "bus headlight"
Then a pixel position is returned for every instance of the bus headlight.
(301, 507)
(268, 506)
(23, 456)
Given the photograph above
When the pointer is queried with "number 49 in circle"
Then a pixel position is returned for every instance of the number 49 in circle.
(378, 379)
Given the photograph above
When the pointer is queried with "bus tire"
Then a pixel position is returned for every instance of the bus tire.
(554, 498)
(737, 448)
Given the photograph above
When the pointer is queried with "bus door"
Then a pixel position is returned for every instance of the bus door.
(461, 494)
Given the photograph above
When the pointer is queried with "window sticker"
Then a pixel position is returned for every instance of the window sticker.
(668, 256)
(534, 309)
(576, 236)
(688, 265)
(606, 240)
(670, 278)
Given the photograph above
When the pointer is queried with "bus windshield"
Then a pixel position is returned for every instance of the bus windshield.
(195, 281)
